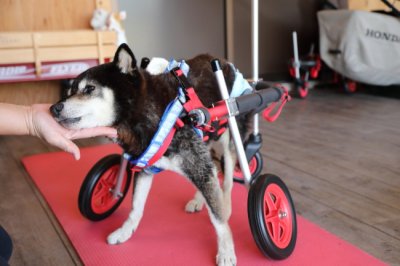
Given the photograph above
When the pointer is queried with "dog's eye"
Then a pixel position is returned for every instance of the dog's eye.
(88, 89)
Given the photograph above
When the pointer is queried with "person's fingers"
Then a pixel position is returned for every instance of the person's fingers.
(75, 151)
(93, 132)
(66, 145)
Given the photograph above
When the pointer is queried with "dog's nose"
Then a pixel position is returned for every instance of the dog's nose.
(55, 109)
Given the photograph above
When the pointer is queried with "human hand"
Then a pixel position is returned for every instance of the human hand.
(40, 123)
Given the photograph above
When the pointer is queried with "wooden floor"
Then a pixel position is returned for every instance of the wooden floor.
(339, 155)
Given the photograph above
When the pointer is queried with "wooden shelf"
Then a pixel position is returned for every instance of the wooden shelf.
(19, 51)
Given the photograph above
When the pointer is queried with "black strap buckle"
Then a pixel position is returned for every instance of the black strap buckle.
(181, 78)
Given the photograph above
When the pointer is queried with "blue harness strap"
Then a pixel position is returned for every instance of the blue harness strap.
(182, 65)
(167, 122)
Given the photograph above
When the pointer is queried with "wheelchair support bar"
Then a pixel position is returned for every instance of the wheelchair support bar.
(258, 101)
(234, 130)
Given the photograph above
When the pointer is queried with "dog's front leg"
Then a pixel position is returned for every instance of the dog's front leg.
(229, 167)
(141, 191)
(219, 215)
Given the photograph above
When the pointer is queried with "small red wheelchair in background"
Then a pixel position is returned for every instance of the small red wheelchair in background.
(305, 68)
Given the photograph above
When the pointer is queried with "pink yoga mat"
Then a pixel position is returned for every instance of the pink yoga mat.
(167, 235)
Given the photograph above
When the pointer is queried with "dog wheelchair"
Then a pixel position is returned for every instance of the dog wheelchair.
(271, 212)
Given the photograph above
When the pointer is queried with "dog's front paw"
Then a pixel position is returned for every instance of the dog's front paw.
(226, 258)
(119, 236)
(194, 205)
(226, 253)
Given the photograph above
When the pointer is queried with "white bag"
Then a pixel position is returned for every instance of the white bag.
(361, 45)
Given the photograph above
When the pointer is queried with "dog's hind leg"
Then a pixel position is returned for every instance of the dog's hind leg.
(204, 176)
(192, 159)
(196, 204)
(225, 148)
(219, 214)
(142, 186)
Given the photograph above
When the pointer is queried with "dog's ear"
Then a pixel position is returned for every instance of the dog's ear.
(125, 60)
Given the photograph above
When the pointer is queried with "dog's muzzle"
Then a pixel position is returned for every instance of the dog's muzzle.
(56, 109)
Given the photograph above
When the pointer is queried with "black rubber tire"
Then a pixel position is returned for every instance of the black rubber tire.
(349, 86)
(256, 172)
(89, 184)
(257, 217)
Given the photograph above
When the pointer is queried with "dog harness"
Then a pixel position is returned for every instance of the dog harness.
(185, 101)
(167, 126)
(240, 85)
(162, 138)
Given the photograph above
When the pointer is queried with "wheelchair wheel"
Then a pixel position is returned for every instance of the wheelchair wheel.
(302, 91)
(301, 87)
(255, 166)
(272, 217)
(96, 201)
(349, 86)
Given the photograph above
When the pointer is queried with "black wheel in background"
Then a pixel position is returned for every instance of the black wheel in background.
(255, 167)
(96, 201)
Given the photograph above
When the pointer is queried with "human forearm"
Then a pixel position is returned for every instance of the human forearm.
(15, 119)
(36, 120)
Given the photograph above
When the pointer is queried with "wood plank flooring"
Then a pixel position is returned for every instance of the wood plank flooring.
(338, 154)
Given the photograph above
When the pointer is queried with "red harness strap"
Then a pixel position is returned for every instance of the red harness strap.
(157, 156)
(284, 99)
(213, 129)
(166, 143)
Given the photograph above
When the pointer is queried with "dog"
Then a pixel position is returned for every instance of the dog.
(124, 96)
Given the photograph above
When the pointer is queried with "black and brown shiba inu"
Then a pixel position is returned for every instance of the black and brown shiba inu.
(124, 96)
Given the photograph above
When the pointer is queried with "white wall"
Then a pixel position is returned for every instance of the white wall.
(184, 28)
(174, 28)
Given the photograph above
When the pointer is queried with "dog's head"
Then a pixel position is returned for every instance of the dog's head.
(93, 100)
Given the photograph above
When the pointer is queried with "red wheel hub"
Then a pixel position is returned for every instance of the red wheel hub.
(278, 216)
(303, 92)
(252, 166)
(102, 198)
(352, 86)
